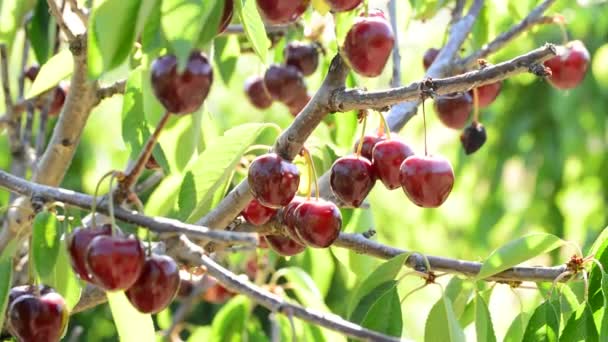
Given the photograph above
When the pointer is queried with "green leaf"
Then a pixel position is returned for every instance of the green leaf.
(604, 323)
(387, 271)
(426, 9)
(200, 334)
(227, 51)
(63, 279)
(6, 281)
(41, 31)
(254, 27)
(131, 324)
(212, 24)
(385, 315)
(230, 322)
(441, 324)
(518, 251)
(321, 6)
(468, 315)
(213, 167)
(598, 251)
(544, 324)
(152, 34)
(483, 321)
(458, 291)
(46, 235)
(369, 299)
(56, 69)
(515, 333)
(303, 287)
(580, 326)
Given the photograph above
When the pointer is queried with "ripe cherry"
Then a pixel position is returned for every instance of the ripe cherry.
(216, 293)
(297, 105)
(182, 93)
(257, 214)
(368, 45)
(226, 15)
(152, 164)
(343, 5)
(284, 83)
(369, 142)
(59, 95)
(429, 57)
(427, 180)
(318, 222)
(387, 157)
(21, 290)
(283, 245)
(305, 57)
(186, 287)
(156, 286)
(288, 219)
(486, 94)
(32, 72)
(454, 109)
(569, 68)
(473, 137)
(256, 92)
(351, 179)
(78, 242)
(273, 181)
(115, 262)
(36, 318)
(282, 11)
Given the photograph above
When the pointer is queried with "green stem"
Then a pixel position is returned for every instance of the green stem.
(385, 126)
(360, 146)
(94, 203)
(475, 105)
(426, 152)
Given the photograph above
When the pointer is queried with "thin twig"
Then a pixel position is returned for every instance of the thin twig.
(58, 15)
(79, 11)
(392, 12)
(6, 81)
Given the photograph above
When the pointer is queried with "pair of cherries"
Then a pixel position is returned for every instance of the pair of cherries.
(280, 12)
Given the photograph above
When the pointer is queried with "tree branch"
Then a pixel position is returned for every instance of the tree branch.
(58, 15)
(392, 12)
(111, 90)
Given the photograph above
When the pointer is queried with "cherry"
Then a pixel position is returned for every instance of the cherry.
(273, 181)
(297, 105)
(368, 44)
(343, 5)
(283, 245)
(387, 157)
(351, 179)
(369, 142)
(78, 242)
(257, 214)
(216, 293)
(284, 83)
(156, 286)
(21, 290)
(34, 318)
(115, 262)
(318, 222)
(305, 57)
(281, 11)
(152, 164)
(32, 72)
(226, 15)
(186, 287)
(473, 137)
(59, 95)
(454, 109)
(288, 218)
(427, 180)
(182, 93)
(429, 57)
(486, 94)
(257, 93)
(569, 68)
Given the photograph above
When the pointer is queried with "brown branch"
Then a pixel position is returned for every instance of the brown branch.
(111, 90)
(272, 29)
(58, 15)
(392, 12)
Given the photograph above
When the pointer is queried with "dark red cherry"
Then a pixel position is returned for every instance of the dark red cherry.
(34, 318)
(186, 287)
(305, 57)
(283, 245)
(256, 92)
(427, 180)
(369, 142)
(368, 45)
(569, 69)
(78, 242)
(216, 293)
(152, 164)
(318, 223)
(272, 180)
(284, 83)
(32, 72)
(297, 105)
(351, 179)
(473, 137)
(182, 93)
(486, 94)
(454, 109)
(226, 15)
(387, 157)
(21, 290)
(343, 5)
(257, 214)
(156, 286)
(288, 219)
(429, 57)
(282, 11)
(115, 262)
(59, 96)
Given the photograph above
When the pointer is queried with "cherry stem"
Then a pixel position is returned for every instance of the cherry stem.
(426, 152)
(95, 194)
(312, 174)
(111, 204)
(385, 126)
(561, 22)
(30, 266)
(360, 146)
(475, 105)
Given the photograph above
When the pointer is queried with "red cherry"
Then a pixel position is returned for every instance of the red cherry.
(387, 157)
(369, 142)
(343, 5)
(59, 95)
(304, 57)
(32, 72)
(318, 222)
(282, 11)
(283, 245)
(156, 286)
(429, 57)
(77, 244)
(284, 83)
(186, 287)
(486, 94)
(182, 93)
(21, 290)
(427, 180)
(368, 45)
(288, 218)
(473, 137)
(216, 293)
(226, 15)
(257, 214)
(35, 318)
(273, 181)
(256, 92)
(569, 69)
(298, 104)
(115, 262)
(454, 109)
(152, 164)
(351, 179)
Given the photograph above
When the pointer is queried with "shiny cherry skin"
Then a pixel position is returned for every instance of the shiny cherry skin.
(304, 57)
(297, 105)
(21, 290)
(387, 157)
(487, 94)
(256, 92)
(281, 11)
(34, 318)
(454, 109)
(273, 181)
(368, 45)
(257, 214)
(318, 223)
(473, 137)
(78, 243)
(182, 93)
(369, 142)
(284, 83)
(429, 57)
(156, 286)
(289, 220)
(343, 5)
(216, 293)
(427, 180)
(283, 245)
(32, 72)
(351, 179)
(115, 262)
(226, 15)
(568, 69)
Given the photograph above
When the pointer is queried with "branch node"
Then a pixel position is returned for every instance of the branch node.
(540, 70)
